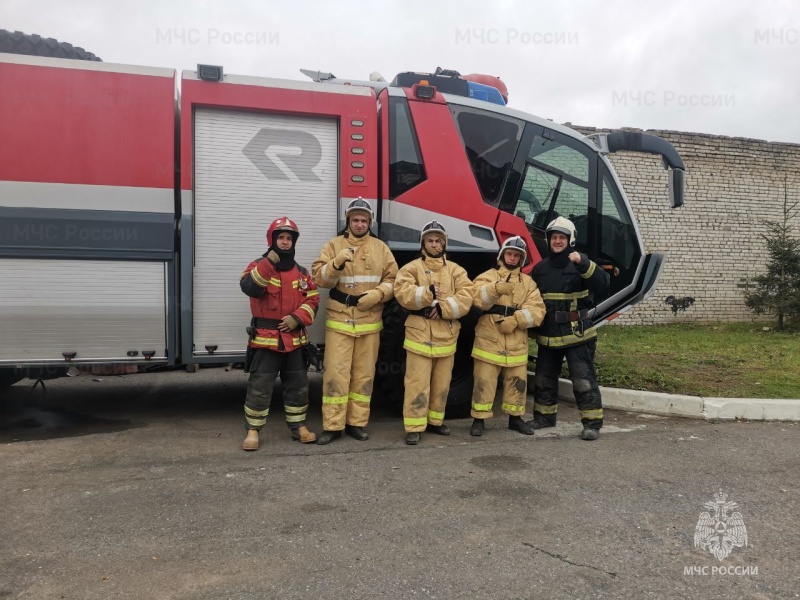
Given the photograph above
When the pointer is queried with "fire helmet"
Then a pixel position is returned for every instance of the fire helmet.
(432, 227)
(359, 205)
(517, 244)
(282, 224)
(562, 225)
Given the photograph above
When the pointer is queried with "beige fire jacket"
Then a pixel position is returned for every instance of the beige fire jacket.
(525, 307)
(433, 338)
(373, 268)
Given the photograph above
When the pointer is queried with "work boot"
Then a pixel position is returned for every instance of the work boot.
(541, 424)
(412, 439)
(477, 428)
(590, 434)
(516, 423)
(251, 441)
(354, 431)
(328, 436)
(303, 435)
(438, 429)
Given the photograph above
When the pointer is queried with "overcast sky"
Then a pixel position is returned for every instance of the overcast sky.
(728, 68)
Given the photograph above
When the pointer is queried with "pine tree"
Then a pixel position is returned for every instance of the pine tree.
(777, 291)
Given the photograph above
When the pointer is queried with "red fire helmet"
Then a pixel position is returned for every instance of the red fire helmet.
(282, 224)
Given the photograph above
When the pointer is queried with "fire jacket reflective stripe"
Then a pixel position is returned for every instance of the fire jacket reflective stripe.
(500, 359)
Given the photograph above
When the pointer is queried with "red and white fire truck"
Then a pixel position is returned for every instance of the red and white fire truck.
(131, 200)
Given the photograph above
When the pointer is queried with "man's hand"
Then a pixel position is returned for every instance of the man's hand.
(288, 323)
(575, 257)
(433, 313)
(370, 299)
(503, 287)
(273, 257)
(343, 257)
(507, 326)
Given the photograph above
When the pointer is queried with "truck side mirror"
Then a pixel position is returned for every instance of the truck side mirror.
(676, 187)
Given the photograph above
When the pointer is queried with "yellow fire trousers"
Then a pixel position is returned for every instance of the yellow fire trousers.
(427, 383)
(515, 388)
(348, 378)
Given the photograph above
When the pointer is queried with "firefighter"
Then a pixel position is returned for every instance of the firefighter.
(359, 269)
(283, 302)
(568, 282)
(436, 292)
(512, 304)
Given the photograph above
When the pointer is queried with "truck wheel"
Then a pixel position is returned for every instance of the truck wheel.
(16, 42)
(9, 377)
(391, 366)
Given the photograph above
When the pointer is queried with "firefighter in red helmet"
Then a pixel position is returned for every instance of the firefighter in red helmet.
(359, 269)
(283, 302)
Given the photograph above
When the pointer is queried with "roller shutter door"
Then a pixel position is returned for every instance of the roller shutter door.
(235, 199)
(100, 310)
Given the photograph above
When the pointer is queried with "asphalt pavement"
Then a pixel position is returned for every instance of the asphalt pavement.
(135, 486)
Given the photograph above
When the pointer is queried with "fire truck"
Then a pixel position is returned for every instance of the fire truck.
(131, 199)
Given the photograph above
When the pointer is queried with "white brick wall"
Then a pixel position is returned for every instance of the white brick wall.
(713, 243)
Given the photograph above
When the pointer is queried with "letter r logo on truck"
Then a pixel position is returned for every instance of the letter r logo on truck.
(284, 154)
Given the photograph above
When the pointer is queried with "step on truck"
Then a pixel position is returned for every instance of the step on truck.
(132, 198)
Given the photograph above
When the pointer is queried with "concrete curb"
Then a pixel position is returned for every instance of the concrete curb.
(695, 407)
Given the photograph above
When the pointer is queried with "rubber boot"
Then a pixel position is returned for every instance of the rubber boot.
(303, 435)
(541, 424)
(516, 423)
(438, 429)
(328, 436)
(356, 432)
(590, 434)
(412, 439)
(477, 428)
(251, 441)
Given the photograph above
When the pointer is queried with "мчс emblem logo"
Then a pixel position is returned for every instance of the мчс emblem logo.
(720, 532)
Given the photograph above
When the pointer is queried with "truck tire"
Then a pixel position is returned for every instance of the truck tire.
(16, 42)
(391, 366)
(9, 377)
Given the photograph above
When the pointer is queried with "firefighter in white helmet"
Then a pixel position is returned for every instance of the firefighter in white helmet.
(436, 292)
(569, 283)
(359, 269)
(512, 304)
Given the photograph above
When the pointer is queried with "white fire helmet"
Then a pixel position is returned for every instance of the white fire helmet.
(562, 225)
(359, 205)
(432, 227)
(514, 243)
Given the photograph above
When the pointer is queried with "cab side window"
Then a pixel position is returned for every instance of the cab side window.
(555, 182)
(490, 141)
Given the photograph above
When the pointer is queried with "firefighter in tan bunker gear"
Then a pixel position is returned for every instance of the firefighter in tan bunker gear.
(437, 293)
(360, 270)
(512, 304)
(283, 302)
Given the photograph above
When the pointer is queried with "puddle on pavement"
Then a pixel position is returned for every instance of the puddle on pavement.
(29, 423)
